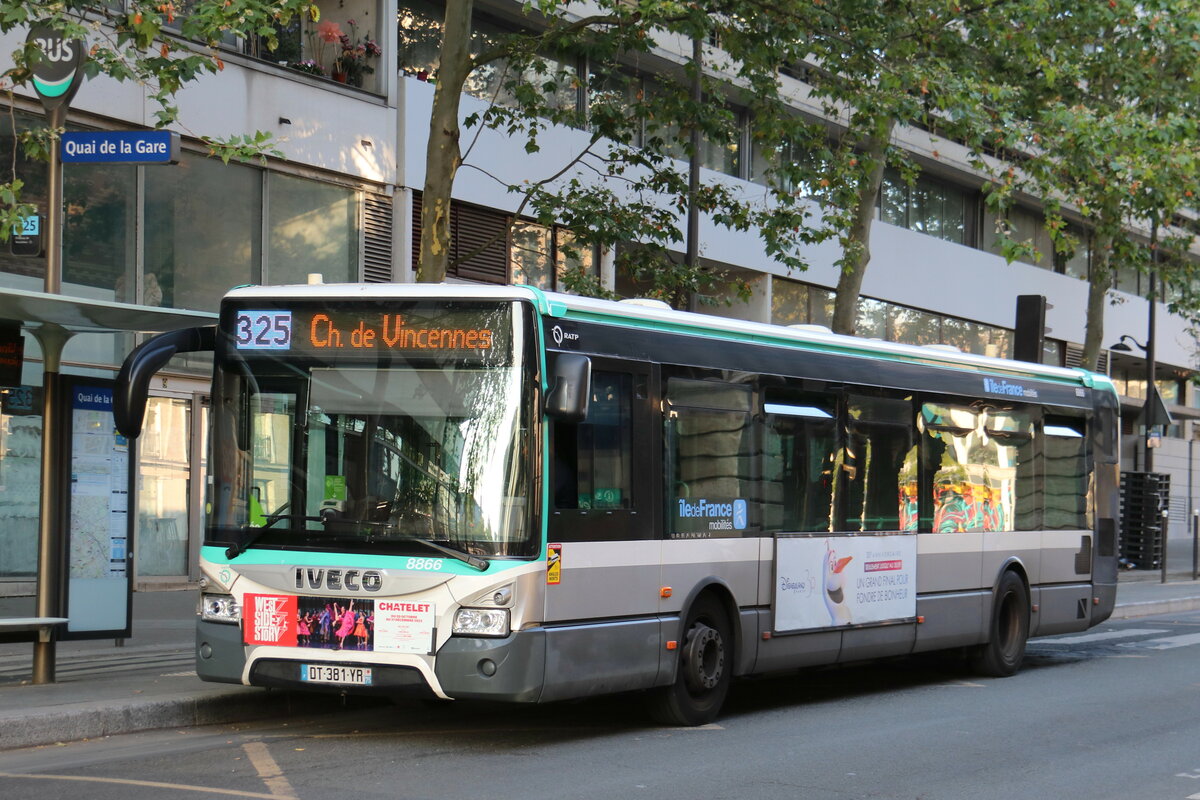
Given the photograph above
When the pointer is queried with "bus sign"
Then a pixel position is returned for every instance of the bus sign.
(58, 72)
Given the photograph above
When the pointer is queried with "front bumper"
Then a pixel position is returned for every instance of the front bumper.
(509, 669)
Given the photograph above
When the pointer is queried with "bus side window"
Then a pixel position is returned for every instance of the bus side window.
(980, 460)
(1068, 475)
(711, 489)
(878, 460)
(593, 459)
(799, 451)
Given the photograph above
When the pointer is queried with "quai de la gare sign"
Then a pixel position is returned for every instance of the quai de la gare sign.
(119, 147)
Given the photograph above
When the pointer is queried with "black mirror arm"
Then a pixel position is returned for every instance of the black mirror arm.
(133, 381)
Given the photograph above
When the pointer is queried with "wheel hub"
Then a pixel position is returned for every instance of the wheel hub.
(703, 658)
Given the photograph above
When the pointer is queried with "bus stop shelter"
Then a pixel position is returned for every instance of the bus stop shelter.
(52, 319)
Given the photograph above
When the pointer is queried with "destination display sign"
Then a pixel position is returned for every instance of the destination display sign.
(333, 332)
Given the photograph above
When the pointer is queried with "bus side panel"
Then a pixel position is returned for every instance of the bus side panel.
(949, 562)
(790, 651)
(1061, 609)
(1066, 557)
(879, 641)
(605, 580)
(602, 658)
(1003, 547)
(686, 562)
(951, 620)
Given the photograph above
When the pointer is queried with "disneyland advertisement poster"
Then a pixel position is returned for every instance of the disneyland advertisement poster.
(832, 582)
(327, 623)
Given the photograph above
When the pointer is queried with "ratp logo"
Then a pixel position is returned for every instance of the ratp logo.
(560, 336)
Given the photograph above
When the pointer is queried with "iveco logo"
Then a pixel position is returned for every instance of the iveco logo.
(351, 580)
(560, 336)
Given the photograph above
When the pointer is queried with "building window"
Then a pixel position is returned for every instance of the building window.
(549, 259)
(720, 152)
(1029, 227)
(764, 158)
(312, 228)
(419, 23)
(795, 303)
(203, 230)
(927, 205)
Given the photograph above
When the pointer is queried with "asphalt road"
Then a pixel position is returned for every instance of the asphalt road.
(1111, 713)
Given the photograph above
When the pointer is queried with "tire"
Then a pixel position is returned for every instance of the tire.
(704, 669)
(1004, 651)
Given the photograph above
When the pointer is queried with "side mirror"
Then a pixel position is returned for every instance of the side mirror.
(570, 387)
(133, 381)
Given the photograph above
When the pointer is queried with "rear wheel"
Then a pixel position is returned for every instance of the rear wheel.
(1005, 649)
(704, 671)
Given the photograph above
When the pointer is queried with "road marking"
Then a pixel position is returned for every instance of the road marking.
(268, 770)
(183, 787)
(1101, 636)
(1167, 642)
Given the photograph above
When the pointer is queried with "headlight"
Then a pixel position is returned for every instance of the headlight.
(481, 622)
(219, 608)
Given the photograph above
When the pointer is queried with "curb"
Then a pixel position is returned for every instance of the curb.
(1149, 608)
(97, 719)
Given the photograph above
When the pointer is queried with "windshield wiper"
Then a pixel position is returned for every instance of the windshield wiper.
(252, 535)
(478, 563)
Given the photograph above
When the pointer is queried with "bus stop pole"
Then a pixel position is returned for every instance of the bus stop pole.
(52, 338)
(1165, 520)
(1195, 544)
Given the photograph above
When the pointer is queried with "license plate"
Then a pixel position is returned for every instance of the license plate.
(321, 673)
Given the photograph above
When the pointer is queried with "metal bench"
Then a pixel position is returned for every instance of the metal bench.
(29, 629)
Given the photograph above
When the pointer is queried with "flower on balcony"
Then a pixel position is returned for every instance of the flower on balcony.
(356, 55)
(308, 66)
(327, 33)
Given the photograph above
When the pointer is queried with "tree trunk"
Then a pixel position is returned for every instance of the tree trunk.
(443, 157)
(856, 250)
(1099, 282)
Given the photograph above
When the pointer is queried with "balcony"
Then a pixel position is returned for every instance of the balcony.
(341, 45)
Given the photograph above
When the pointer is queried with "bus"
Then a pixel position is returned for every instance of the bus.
(499, 493)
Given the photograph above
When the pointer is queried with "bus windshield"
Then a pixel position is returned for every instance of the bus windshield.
(382, 449)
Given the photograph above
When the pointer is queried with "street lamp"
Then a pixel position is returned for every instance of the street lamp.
(1150, 408)
(1121, 347)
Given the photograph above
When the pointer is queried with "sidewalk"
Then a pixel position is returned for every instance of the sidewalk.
(103, 689)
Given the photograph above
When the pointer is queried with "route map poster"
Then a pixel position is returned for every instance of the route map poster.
(98, 579)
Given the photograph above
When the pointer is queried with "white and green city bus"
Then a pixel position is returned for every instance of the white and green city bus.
(498, 493)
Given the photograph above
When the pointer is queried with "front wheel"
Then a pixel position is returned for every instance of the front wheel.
(1005, 648)
(704, 671)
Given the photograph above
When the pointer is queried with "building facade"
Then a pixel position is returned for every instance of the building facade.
(344, 201)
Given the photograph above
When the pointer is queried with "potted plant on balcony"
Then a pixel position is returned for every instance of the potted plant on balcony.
(354, 62)
(308, 66)
(324, 41)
